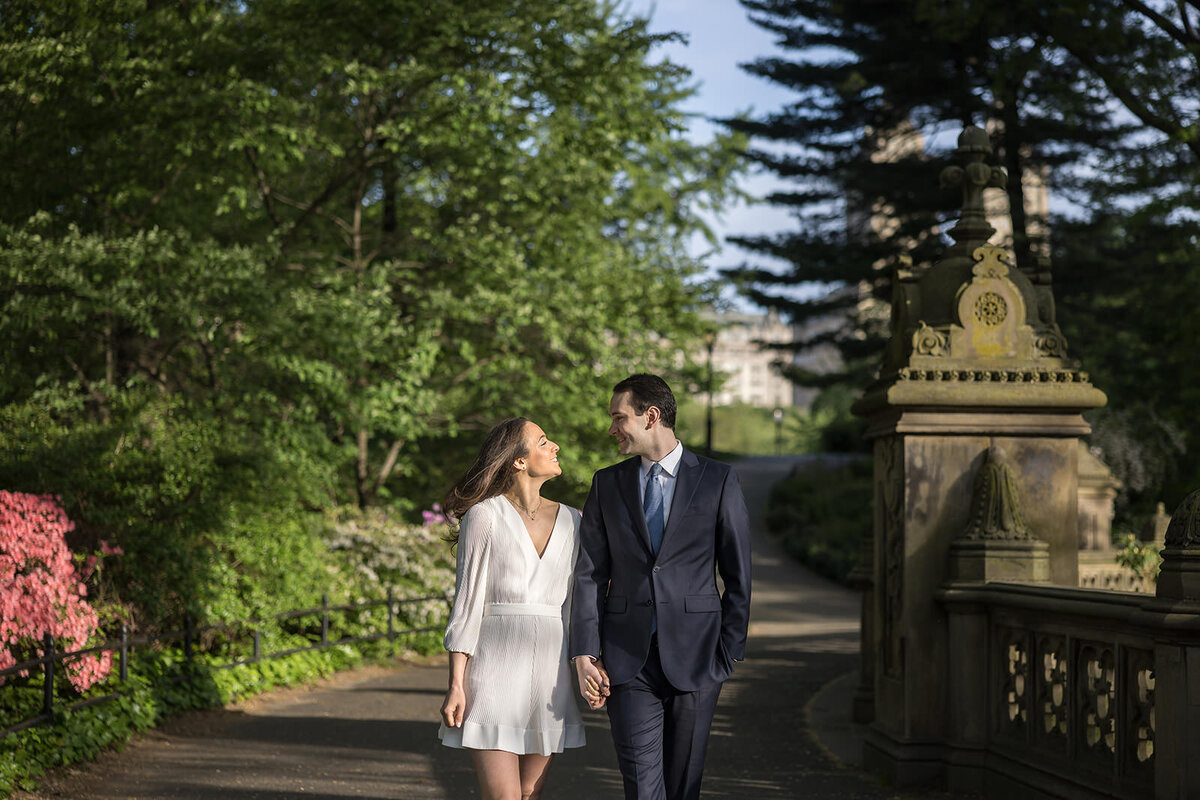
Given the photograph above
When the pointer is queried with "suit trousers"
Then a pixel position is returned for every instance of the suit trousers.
(660, 733)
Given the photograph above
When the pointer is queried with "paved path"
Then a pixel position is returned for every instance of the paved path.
(371, 734)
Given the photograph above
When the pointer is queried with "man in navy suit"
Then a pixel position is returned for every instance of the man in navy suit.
(650, 635)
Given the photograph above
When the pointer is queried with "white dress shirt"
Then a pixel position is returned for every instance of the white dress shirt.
(666, 479)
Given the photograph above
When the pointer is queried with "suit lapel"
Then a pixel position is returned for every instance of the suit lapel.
(628, 487)
(686, 482)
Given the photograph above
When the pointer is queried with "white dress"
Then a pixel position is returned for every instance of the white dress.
(510, 616)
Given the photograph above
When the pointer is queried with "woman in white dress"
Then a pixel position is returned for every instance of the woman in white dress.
(510, 701)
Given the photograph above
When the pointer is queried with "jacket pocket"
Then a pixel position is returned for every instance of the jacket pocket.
(701, 603)
(615, 605)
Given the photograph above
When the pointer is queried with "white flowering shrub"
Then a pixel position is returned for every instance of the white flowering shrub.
(382, 551)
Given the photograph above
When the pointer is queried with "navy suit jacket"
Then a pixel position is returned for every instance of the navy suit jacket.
(618, 579)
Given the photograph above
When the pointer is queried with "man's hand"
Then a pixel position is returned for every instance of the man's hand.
(593, 681)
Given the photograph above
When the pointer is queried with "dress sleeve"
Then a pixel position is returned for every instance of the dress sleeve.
(566, 610)
(474, 548)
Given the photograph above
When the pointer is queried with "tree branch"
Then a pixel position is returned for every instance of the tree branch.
(389, 463)
(1161, 21)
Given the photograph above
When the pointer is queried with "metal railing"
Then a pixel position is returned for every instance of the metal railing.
(50, 659)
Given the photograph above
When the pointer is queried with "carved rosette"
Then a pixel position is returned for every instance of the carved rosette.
(995, 504)
(1184, 530)
(927, 341)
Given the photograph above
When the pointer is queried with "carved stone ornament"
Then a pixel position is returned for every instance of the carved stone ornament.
(1049, 344)
(1016, 375)
(1184, 530)
(991, 311)
(991, 262)
(995, 504)
(929, 341)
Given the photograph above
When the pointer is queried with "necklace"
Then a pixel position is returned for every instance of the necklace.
(531, 514)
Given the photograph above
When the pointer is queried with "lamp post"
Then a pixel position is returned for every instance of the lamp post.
(710, 341)
(778, 415)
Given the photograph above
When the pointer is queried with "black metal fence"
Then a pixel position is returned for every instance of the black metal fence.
(190, 634)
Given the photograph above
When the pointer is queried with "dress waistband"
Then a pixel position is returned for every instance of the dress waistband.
(522, 610)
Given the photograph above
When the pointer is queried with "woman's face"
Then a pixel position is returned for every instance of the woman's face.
(542, 458)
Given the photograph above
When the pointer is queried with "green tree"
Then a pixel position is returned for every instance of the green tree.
(333, 240)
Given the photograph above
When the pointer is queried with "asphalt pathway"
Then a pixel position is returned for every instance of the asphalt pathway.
(372, 733)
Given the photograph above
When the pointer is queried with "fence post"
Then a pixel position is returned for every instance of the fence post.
(257, 645)
(324, 620)
(391, 620)
(187, 637)
(48, 683)
(123, 653)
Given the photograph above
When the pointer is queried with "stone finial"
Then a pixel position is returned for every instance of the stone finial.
(1156, 528)
(1179, 573)
(973, 177)
(1184, 530)
(995, 503)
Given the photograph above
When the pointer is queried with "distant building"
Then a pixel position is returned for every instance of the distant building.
(743, 356)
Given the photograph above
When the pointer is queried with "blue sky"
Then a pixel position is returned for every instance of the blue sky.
(720, 36)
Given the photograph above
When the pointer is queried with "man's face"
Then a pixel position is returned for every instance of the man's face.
(628, 427)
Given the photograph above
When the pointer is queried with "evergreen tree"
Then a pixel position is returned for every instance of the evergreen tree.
(876, 85)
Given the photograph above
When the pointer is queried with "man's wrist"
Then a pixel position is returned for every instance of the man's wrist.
(575, 659)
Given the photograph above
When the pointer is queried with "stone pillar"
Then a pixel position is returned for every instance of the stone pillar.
(862, 578)
(1176, 664)
(1097, 493)
(975, 365)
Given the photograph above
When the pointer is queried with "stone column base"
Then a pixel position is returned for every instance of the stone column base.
(999, 560)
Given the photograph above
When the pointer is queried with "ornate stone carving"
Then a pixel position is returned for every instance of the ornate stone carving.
(1049, 343)
(929, 341)
(1097, 700)
(1014, 375)
(995, 504)
(973, 177)
(1014, 692)
(991, 262)
(1139, 717)
(990, 310)
(1052, 691)
(1184, 530)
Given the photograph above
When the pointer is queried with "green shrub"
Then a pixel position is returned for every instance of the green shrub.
(188, 497)
(820, 515)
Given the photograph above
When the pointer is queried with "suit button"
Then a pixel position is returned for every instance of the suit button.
(648, 603)
(657, 568)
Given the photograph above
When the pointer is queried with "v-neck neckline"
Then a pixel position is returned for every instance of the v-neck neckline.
(525, 531)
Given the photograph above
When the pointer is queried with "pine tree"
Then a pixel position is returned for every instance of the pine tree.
(875, 84)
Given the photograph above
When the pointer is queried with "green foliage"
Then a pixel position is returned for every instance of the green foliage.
(260, 260)
(820, 515)
(1143, 559)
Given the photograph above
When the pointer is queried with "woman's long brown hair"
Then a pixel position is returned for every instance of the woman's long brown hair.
(491, 473)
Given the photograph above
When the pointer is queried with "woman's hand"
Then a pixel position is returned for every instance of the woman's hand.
(454, 706)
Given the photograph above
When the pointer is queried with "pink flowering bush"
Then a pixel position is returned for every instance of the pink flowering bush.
(40, 589)
(436, 516)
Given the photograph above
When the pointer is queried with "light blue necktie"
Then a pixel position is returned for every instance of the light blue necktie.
(652, 504)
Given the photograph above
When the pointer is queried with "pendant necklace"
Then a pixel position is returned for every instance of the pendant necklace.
(531, 514)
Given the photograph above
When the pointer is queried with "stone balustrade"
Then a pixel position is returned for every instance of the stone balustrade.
(1064, 704)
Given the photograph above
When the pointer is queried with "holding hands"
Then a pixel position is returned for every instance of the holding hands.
(593, 681)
